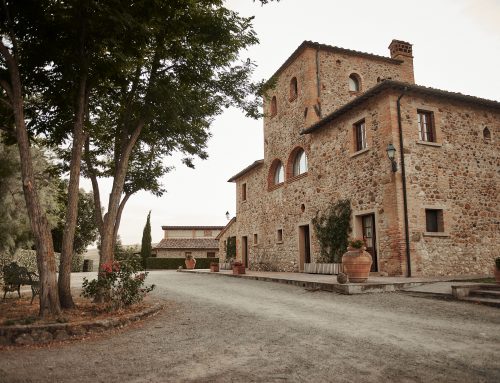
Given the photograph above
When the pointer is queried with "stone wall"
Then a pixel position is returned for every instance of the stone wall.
(181, 253)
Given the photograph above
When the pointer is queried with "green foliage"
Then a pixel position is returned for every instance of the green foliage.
(86, 228)
(15, 230)
(76, 263)
(356, 243)
(125, 252)
(230, 248)
(146, 240)
(120, 283)
(174, 263)
(332, 230)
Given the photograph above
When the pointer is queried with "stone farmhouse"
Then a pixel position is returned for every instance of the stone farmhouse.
(331, 119)
(181, 241)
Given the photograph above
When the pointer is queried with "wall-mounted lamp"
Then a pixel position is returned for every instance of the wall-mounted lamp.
(391, 153)
(227, 215)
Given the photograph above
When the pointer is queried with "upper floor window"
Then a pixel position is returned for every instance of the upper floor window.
(434, 222)
(486, 134)
(359, 135)
(244, 192)
(354, 83)
(274, 107)
(300, 163)
(279, 174)
(293, 89)
(426, 129)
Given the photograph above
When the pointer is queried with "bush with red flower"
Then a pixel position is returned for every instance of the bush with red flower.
(120, 283)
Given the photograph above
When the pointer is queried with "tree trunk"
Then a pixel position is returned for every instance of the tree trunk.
(49, 298)
(64, 282)
(110, 218)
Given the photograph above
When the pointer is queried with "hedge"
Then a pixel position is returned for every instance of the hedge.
(174, 263)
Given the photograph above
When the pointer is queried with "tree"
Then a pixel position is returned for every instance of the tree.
(146, 240)
(13, 97)
(185, 72)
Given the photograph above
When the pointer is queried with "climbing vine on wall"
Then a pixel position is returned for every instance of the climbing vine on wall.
(332, 230)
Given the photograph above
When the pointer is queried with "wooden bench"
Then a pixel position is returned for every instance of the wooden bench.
(14, 276)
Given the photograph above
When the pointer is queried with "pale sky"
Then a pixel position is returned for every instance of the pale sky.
(456, 47)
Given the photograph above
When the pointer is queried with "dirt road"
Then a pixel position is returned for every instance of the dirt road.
(220, 329)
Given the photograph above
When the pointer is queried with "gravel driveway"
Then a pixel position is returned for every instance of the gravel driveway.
(219, 329)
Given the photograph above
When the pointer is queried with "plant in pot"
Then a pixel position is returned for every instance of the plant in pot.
(190, 261)
(356, 261)
(238, 268)
(214, 267)
(496, 270)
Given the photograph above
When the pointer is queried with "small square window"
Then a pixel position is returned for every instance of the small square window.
(211, 254)
(255, 239)
(279, 235)
(434, 222)
(359, 135)
(426, 129)
(244, 192)
(187, 254)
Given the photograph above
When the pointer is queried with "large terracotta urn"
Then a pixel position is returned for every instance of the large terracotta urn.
(357, 264)
(190, 263)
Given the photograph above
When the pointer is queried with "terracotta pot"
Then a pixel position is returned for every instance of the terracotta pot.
(214, 267)
(238, 269)
(497, 274)
(357, 264)
(190, 263)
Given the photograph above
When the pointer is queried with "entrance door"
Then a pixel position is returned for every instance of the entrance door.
(304, 246)
(244, 250)
(368, 222)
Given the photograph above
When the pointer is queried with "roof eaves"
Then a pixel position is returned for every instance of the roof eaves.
(402, 86)
(254, 165)
(233, 220)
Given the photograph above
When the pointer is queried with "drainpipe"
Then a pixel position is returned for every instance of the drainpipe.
(318, 91)
(403, 178)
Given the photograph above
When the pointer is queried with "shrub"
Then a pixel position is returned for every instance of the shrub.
(175, 263)
(230, 248)
(356, 243)
(76, 263)
(332, 230)
(120, 284)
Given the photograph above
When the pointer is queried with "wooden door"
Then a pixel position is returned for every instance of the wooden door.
(368, 223)
(244, 250)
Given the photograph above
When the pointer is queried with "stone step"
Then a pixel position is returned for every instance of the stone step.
(484, 301)
(485, 293)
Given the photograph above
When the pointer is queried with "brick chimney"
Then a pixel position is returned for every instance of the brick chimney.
(401, 50)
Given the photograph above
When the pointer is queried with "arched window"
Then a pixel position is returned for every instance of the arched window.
(276, 174)
(279, 174)
(354, 83)
(274, 107)
(486, 134)
(294, 90)
(300, 163)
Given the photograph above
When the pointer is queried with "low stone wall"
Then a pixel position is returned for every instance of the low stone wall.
(37, 334)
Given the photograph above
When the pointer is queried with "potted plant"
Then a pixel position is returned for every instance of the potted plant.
(238, 268)
(214, 267)
(496, 270)
(190, 262)
(356, 261)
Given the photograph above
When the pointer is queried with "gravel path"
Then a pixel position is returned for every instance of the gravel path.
(219, 329)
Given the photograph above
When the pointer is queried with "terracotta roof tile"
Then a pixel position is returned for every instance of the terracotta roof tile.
(188, 243)
(192, 227)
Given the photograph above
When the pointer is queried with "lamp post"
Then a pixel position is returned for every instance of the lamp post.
(391, 153)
